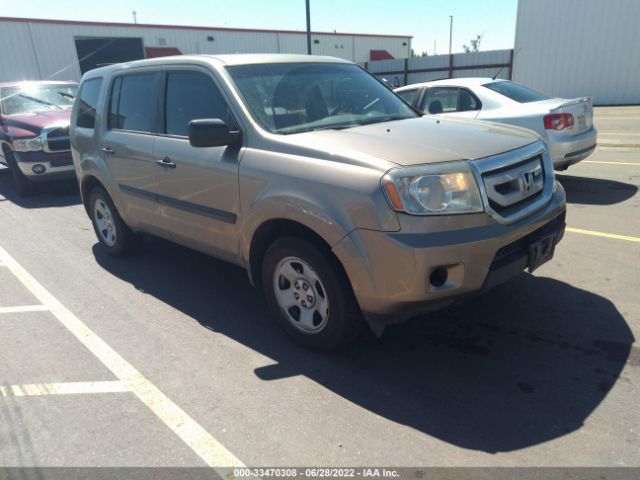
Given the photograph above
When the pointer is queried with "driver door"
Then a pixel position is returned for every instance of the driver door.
(198, 188)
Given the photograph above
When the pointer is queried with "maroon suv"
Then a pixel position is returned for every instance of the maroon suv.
(34, 131)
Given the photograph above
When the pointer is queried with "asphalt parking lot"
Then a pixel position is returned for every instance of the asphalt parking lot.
(168, 358)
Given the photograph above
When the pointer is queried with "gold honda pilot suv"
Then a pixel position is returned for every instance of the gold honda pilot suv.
(343, 206)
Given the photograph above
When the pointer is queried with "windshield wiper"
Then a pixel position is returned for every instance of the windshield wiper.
(43, 102)
(68, 95)
(331, 127)
(388, 118)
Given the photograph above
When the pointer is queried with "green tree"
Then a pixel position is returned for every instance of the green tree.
(475, 44)
(417, 55)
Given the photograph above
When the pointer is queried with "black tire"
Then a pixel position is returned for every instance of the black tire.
(24, 186)
(344, 320)
(125, 240)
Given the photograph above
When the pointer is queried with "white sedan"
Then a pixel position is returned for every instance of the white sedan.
(566, 125)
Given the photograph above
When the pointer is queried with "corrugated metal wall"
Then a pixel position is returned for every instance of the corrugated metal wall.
(395, 68)
(47, 50)
(573, 48)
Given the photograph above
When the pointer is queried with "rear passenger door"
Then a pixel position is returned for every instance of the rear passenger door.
(127, 147)
(451, 101)
(198, 191)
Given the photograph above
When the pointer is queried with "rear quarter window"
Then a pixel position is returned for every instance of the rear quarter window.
(516, 92)
(408, 95)
(88, 101)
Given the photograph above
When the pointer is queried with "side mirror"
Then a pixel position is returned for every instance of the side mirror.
(211, 132)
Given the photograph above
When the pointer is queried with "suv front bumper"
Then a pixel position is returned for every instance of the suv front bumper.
(391, 272)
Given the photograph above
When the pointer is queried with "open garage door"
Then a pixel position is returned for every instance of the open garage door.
(97, 52)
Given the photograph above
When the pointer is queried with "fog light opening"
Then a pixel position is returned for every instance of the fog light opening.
(38, 169)
(438, 276)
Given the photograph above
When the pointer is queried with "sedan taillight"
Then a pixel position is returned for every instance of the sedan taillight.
(558, 121)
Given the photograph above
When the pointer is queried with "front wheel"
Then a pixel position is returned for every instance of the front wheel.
(114, 235)
(309, 294)
(24, 186)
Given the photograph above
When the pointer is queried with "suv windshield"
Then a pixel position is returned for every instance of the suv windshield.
(516, 92)
(298, 97)
(33, 98)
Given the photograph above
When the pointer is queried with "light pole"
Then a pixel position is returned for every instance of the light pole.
(135, 16)
(450, 32)
(308, 28)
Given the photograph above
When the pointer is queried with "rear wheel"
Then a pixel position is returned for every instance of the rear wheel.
(24, 186)
(115, 236)
(309, 294)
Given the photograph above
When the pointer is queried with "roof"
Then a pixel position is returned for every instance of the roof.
(226, 60)
(19, 83)
(456, 82)
(250, 58)
(186, 27)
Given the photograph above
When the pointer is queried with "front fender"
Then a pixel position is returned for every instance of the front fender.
(329, 197)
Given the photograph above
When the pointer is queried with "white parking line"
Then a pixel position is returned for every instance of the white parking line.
(190, 432)
(71, 388)
(24, 308)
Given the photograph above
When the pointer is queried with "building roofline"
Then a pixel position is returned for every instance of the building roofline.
(186, 27)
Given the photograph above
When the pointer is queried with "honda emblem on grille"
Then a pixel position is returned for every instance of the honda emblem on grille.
(526, 181)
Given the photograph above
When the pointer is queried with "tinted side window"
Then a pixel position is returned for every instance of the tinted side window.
(467, 101)
(132, 102)
(440, 100)
(88, 102)
(408, 95)
(192, 95)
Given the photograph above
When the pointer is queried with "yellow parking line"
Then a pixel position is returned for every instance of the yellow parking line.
(186, 428)
(24, 308)
(617, 117)
(613, 163)
(71, 388)
(603, 234)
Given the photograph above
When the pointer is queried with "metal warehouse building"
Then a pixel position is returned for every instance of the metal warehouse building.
(36, 49)
(573, 48)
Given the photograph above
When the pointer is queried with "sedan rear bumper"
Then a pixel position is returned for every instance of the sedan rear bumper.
(568, 149)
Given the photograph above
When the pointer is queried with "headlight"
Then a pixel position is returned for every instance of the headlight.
(438, 189)
(27, 144)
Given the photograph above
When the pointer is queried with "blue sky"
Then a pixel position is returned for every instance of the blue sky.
(426, 20)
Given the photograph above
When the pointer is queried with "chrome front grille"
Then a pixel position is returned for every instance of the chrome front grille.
(57, 140)
(516, 183)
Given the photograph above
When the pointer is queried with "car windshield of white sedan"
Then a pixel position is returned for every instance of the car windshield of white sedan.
(293, 97)
(34, 98)
(516, 92)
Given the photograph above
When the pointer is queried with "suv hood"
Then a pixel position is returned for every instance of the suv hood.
(36, 121)
(415, 141)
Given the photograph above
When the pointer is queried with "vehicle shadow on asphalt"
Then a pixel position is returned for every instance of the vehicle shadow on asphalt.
(595, 191)
(50, 194)
(523, 364)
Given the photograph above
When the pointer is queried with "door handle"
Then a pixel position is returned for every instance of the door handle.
(166, 162)
(108, 150)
